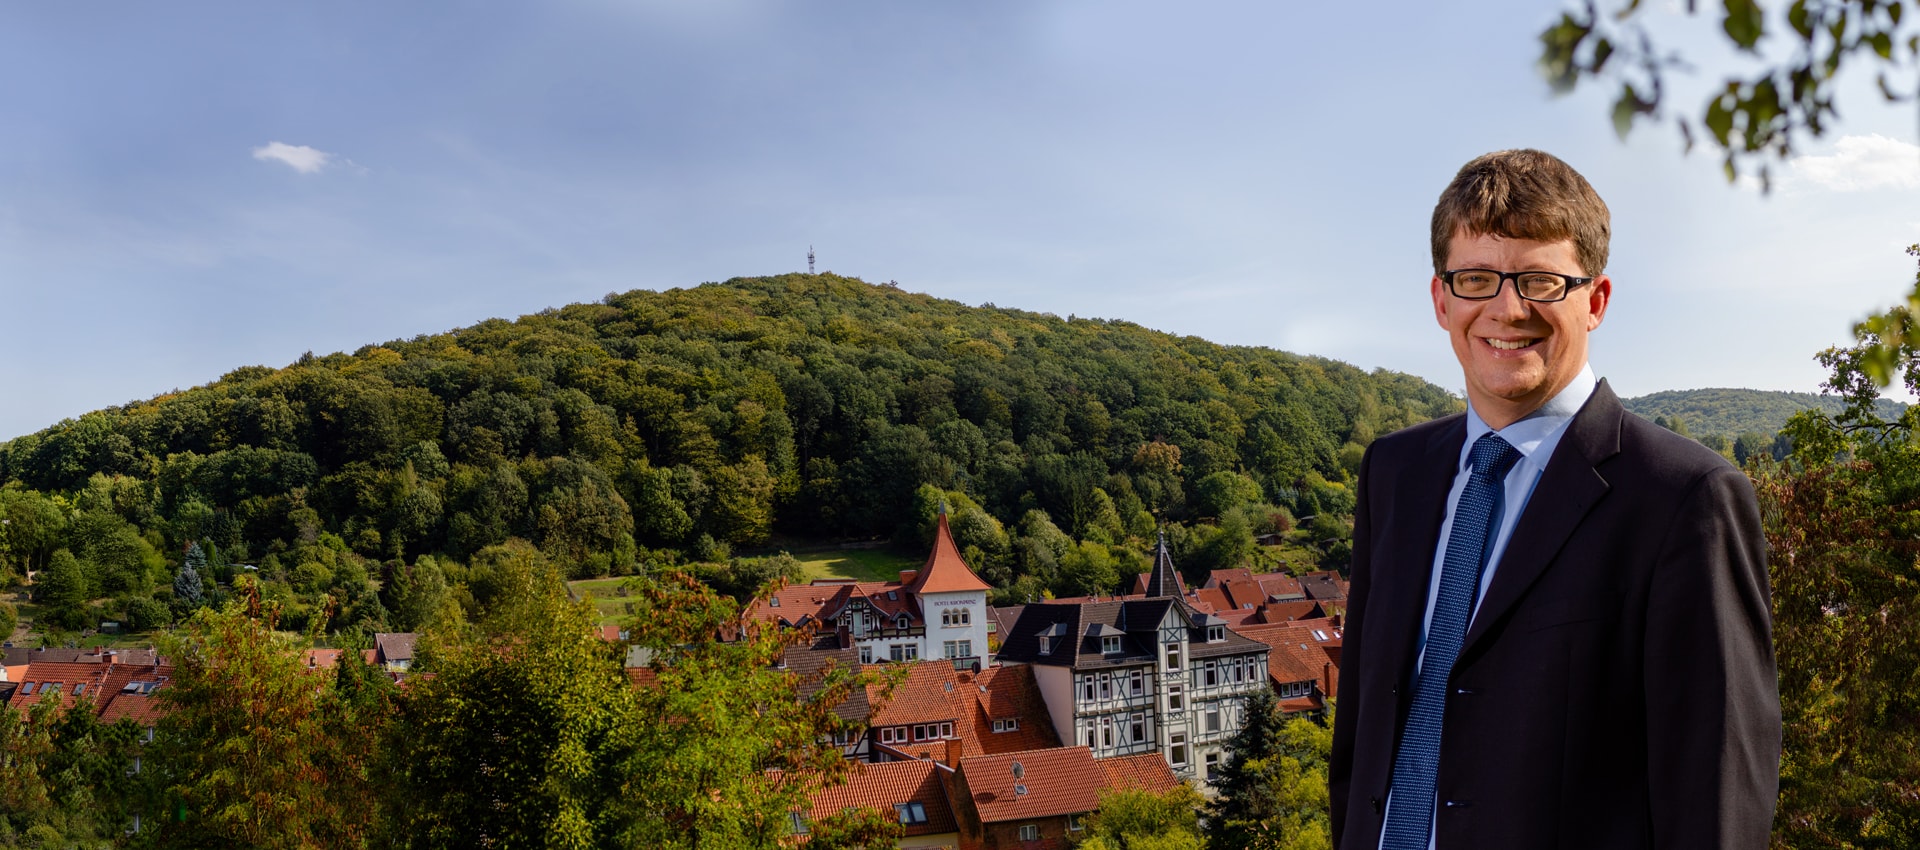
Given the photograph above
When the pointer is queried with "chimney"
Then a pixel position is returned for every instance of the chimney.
(907, 576)
(954, 752)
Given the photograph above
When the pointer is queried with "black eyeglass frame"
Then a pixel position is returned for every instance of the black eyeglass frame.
(1568, 283)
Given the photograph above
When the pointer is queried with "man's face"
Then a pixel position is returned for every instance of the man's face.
(1517, 354)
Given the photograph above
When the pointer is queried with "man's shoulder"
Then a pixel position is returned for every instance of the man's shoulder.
(1419, 439)
(1666, 454)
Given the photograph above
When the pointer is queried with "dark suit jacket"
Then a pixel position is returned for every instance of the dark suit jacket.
(1616, 688)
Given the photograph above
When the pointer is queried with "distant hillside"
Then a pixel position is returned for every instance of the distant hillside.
(654, 426)
(1732, 412)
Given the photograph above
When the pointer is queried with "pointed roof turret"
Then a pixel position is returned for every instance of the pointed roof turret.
(946, 571)
(1164, 580)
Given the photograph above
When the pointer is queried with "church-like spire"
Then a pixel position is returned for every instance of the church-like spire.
(945, 571)
(1164, 580)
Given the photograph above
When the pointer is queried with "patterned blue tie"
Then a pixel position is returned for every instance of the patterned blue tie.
(1410, 812)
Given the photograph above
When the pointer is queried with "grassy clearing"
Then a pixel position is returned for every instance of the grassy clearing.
(606, 597)
(862, 564)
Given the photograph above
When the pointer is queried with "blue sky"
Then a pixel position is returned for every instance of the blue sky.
(190, 187)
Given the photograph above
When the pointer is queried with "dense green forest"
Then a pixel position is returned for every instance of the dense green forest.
(1731, 412)
(667, 428)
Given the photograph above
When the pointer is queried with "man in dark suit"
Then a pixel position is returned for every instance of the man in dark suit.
(1558, 632)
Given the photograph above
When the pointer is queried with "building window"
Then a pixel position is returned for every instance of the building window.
(956, 616)
(1139, 724)
(1175, 702)
(1319, 635)
(1210, 675)
(866, 655)
(946, 729)
(920, 732)
(1110, 645)
(911, 813)
(1010, 724)
(1106, 731)
(1173, 656)
(900, 621)
(797, 822)
(1213, 763)
(1106, 686)
(1086, 688)
(1213, 720)
(1216, 634)
(1137, 683)
(1029, 832)
(1075, 824)
(1046, 645)
(904, 652)
(1177, 752)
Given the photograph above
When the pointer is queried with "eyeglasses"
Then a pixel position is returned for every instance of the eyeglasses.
(1482, 284)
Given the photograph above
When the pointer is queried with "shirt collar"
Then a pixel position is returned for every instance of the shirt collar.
(1531, 433)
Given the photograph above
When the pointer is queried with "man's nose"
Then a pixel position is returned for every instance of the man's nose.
(1506, 304)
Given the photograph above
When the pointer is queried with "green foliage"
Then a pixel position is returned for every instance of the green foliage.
(1753, 415)
(62, 593)
(1840, 519)
(1142, 820)
(1762, 116)
(723, 732)
(9, 618)
(518, 737)
(1219, 493)
(258, 749)
(1273, 787)
(856, 829)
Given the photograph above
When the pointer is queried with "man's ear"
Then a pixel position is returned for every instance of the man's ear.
(1598, 298)
(1440, 302)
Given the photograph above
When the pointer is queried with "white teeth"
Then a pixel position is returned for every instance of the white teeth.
(1504, 345)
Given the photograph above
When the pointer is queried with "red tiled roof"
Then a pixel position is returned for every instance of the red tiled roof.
(1059, 781)
(1300, 653)
(883, 786)
(104, 683)
(320, 659)
(934, 692)
(945, 571)
(1145, 772)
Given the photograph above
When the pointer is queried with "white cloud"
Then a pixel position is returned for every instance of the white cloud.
(300, 158)
(1859, 163)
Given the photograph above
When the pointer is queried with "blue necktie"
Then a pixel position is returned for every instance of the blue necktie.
(1410, 812)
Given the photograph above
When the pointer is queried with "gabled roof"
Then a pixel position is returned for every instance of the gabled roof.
(116, 690)
(1048, 783)
(934, 692)
(945, 571)
(393, 646)
(1142, 772)
(885, 785)
(1303, 651)
(811, 664)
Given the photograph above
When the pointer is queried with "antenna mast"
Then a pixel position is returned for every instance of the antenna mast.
(809, 259)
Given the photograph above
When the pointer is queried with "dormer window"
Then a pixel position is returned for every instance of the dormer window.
(893, 594)
(773, 602)
(1110, 645)
(900, 621)
(911, 813)
(1046, 648)
(1216, 634)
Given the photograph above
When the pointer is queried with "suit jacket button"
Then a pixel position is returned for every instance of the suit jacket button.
(1376, 805)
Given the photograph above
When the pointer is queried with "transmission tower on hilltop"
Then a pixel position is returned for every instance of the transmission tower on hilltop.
(809, 259)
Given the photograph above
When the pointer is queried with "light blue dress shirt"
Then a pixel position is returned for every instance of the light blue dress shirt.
(1536, 436)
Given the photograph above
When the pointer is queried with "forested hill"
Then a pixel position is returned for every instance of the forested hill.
(657, 426)
(1733, 412)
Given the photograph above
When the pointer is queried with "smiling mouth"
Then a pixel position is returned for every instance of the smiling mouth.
(1511, 345)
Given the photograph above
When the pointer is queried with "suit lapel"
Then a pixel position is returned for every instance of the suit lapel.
(1419, 506)
(1569, 488)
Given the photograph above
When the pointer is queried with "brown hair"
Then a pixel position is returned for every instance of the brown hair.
(1523, 194)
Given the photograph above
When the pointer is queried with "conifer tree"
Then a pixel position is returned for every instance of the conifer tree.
(186, 584)
(1273, 787)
